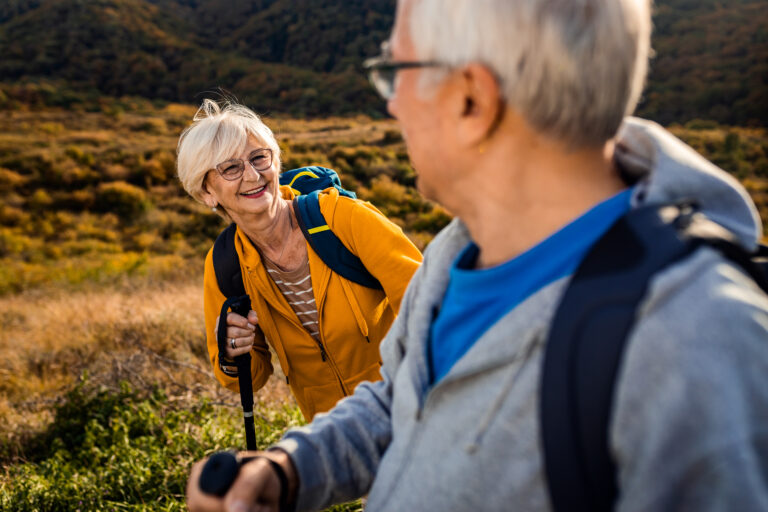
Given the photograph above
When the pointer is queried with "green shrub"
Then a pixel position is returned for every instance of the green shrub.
(432, 221)
(701, 124)
(124, 451)
(9, 180)
(13, 243)
(12, 216)
(125, 200)
(80, 156)
(391, 137)
(77, 200)
(108, 451)
(152, 126)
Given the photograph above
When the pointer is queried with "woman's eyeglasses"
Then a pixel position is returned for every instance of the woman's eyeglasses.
(260, 160)
(382, 70)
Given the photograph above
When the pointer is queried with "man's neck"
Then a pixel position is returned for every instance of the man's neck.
(523, 196)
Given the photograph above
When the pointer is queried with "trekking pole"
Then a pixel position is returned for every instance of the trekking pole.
(241, 306)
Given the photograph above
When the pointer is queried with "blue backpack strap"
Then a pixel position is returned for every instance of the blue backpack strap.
(587, 339)
(327, 245)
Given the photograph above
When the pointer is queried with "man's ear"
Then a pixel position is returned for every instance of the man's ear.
(483, 105)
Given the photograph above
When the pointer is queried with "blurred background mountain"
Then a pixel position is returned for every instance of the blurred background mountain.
(303, 57)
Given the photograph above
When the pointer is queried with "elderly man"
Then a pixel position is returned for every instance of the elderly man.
(515, 118)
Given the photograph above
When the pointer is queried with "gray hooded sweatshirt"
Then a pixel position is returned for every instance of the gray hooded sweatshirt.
(689, 427)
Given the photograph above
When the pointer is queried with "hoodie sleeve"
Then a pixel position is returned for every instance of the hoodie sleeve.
(690, 424)
(337, 455)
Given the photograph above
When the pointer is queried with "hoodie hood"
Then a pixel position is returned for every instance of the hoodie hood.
(672, 171)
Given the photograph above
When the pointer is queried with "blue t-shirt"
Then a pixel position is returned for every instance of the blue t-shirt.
(477, 298)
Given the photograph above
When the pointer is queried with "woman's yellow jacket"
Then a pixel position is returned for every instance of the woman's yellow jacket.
(352, 319)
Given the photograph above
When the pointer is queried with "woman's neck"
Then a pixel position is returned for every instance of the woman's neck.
(275, 237)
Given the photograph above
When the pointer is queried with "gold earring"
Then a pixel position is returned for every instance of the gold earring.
(481, 148)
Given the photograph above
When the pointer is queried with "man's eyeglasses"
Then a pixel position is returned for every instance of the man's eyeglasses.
(260, 160)
(382, 70)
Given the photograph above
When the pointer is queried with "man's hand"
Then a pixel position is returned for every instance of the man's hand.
(256, 489)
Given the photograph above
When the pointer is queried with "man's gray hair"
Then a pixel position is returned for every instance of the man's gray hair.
(572, 68)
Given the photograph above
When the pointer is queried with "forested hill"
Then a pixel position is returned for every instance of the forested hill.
(303, 56)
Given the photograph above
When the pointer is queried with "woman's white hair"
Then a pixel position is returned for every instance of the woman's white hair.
(217, 133)
(572, 68)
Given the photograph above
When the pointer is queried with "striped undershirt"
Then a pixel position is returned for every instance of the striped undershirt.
(296, 286)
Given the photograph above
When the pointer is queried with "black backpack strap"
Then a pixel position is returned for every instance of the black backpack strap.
(588, 335)
(327, 245)
(226, 263)
(755, 264)
(760, 262)
(584, 350)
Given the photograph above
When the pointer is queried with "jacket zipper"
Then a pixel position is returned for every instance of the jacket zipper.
(331, 363)
(321, 345)
(323, 353)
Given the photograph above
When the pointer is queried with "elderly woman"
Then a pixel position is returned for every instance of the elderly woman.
(324, 329)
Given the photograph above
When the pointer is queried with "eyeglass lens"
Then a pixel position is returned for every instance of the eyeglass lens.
(260, 160)
(383, 80)
(382, 76)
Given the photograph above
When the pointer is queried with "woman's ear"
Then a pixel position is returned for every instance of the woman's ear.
(207, 197)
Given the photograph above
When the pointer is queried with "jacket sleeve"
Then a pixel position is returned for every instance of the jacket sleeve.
(338, 454)
(213, 299)
(690, 425)
(379, 243)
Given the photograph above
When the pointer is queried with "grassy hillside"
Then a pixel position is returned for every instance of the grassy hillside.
(92, 196)
(303, 57)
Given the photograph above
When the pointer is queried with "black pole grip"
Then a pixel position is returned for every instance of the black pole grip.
(219, 472)
(221, 469)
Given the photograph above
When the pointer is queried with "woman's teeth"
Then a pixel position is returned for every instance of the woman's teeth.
(254, 191)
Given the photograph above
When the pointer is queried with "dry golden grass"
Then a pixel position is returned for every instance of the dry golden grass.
(148, 334)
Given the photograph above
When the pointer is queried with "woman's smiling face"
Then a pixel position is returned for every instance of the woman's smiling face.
(255, 192)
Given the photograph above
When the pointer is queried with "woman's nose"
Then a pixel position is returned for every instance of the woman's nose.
(249, 165)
